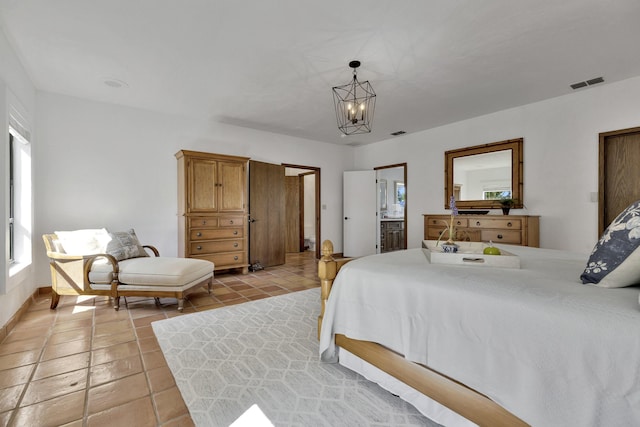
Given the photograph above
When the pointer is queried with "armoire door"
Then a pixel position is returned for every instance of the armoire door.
(231, 182)
(619, 174)
(266, 213)
(202, 181)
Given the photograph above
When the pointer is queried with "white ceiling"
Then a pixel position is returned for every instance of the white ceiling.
(270, 64)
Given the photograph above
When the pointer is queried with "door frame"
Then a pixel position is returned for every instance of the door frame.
(316, 171)
(602, 140)
(406, 192)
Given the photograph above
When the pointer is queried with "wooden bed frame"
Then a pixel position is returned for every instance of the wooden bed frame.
(467, 402)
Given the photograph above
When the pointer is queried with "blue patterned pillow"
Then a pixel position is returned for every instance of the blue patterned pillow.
(615, 260)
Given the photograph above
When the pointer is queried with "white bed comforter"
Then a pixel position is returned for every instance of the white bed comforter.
(535, 340)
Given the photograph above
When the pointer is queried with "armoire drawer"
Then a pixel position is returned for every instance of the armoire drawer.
(216, 233)
(231, 221)
(501, 236)
(216, 246)
(222, 260)
(203, 221)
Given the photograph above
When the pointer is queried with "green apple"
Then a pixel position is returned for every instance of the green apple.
(491, 250)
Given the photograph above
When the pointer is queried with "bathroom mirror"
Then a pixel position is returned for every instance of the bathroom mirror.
(481, 175)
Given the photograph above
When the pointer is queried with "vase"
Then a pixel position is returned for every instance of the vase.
(505, 211)
(450, 248)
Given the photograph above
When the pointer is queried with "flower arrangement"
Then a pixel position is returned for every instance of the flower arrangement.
(450, 227)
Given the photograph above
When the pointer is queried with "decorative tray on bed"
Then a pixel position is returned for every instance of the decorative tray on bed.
(469, 253)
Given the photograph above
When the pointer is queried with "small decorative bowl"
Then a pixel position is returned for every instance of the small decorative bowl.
(450, 248)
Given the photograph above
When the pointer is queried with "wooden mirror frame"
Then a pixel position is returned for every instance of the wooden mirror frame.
(515, 145)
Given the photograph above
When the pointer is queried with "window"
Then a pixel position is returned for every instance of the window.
(20, 222)
(496, 194)
(12, 201)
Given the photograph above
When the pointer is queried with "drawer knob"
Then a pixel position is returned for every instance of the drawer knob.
(235, 245)
(459, 223)
(478, 223)
(235, 233)
(204, 222)
(199, 248)
(499, 236)
(199, 234)
(509, 224)
(230, 221)
(235, 258)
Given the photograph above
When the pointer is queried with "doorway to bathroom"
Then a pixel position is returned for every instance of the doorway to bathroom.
(392, 207)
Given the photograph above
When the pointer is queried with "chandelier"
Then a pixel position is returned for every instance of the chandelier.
(355, 104)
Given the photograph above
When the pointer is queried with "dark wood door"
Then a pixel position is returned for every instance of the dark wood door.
(266, 213)
(292, 208)
(619, 173)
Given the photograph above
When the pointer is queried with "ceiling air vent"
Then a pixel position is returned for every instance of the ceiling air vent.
(399, 132)
(595, 81)
(587, 83)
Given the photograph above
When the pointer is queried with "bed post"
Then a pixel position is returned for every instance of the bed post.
(328, 268)
(327, 271)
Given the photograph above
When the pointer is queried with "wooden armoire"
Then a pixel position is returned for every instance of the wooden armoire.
(212, 208)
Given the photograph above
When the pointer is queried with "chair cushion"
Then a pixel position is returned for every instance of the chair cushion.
(153, 271)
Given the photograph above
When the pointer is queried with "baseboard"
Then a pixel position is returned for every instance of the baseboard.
(13, 321)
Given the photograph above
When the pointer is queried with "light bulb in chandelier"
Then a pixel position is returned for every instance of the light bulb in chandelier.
(352, 113)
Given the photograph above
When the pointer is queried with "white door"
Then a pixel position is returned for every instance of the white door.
(359, 203)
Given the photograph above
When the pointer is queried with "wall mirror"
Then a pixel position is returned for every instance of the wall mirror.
(481, 175)
(382, 194)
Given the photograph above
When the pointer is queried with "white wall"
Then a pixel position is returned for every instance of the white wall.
(560, 159)
(106, 165)
(16, 90)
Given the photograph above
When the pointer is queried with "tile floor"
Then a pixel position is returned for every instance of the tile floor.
(86, 364)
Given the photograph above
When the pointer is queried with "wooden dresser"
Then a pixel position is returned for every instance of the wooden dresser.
(513, 229)
(212, 209)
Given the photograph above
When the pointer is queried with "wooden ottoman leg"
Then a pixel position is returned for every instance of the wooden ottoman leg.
(180, 304)
(116, 303)
(55, 298)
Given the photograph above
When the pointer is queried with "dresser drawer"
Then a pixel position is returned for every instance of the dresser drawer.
(217, 246)
(446, 220)
(231, 221)
(462, 234)
(203, 221)
(503, 224)
(225, 260)
(502, 236)
(216, 233)
(434, 233)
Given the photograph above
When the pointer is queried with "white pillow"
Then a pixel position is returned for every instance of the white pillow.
(84, 242)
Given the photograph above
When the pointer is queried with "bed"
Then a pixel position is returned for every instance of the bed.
(487, 346)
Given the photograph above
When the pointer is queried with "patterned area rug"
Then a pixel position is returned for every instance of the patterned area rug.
(261, 359)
